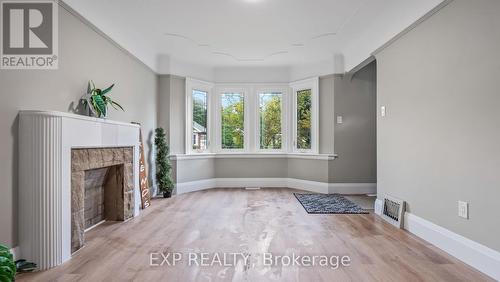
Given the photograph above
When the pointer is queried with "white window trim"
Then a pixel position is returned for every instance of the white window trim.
(245, 91)
(313, 84)
(251, 93)
(325, 157)
(194, 84)
(284, 117)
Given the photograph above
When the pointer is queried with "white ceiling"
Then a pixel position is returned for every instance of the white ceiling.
(256, 33)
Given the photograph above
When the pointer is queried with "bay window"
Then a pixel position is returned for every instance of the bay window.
(252, 118)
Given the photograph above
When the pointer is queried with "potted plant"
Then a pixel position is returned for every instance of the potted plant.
(163, 166)
(96, 101)
(9, 267)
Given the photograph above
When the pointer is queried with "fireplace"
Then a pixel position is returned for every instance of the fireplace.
(57, 152)
(101, 189)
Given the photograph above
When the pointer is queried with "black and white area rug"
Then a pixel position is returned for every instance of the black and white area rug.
(328, 204)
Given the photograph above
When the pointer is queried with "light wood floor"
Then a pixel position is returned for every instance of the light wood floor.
(254, 222)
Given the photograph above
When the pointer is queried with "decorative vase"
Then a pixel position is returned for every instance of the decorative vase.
(167, 194)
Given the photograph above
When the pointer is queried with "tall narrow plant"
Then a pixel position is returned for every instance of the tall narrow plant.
(163, 166)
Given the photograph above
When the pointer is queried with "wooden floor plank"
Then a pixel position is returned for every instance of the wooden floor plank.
(253, 222)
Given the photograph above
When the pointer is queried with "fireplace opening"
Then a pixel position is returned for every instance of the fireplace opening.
(103, 190)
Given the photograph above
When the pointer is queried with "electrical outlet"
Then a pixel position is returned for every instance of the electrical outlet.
(340, 119)
(463, 209)
(383, 111)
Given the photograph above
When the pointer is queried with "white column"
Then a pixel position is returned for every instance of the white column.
(40, 189)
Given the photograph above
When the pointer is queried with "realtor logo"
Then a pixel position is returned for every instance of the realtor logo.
(29, 35)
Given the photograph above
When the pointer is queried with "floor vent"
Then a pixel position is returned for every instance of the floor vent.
(252, 188)
(393, 211)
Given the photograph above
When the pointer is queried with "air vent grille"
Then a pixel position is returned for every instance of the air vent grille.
(393, 211)
(252, 188)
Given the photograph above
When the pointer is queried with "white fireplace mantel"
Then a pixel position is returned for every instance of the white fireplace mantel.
(45, 142)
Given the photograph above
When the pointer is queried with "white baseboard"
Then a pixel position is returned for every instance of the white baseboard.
(470, 252)
(311, 186)
(352, 188)
(193, 186)
(249, 182)
(378, 206)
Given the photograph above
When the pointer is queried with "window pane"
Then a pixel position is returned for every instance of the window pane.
(304, 119)
(232, 113)
(200, 104)
(270, 120)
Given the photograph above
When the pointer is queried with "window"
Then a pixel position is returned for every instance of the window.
(305, 116)
(270, 121)
(200, 120)
(304, 119)
(232, 113)
(230, 118)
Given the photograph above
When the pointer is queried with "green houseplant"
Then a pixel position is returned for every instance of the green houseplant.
(7, 265)
(163, 166)
(96, 100)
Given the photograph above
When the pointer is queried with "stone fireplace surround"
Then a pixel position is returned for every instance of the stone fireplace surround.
(46, 142)
(119, 203)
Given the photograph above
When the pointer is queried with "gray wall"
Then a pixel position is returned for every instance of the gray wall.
(199, 169)
(193, 170)
(440, 140)
(163, 103)
(305, 169)
(356, 137)
(83, 55)
(172, 110)
(326, 117)
(251, 168)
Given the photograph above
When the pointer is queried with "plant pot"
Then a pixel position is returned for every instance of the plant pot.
(92, 113)
(167, 194)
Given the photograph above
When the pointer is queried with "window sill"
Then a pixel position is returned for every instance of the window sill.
(308, 156)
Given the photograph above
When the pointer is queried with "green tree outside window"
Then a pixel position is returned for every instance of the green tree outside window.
(304, 119)
(233, 120)
(270, 121)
